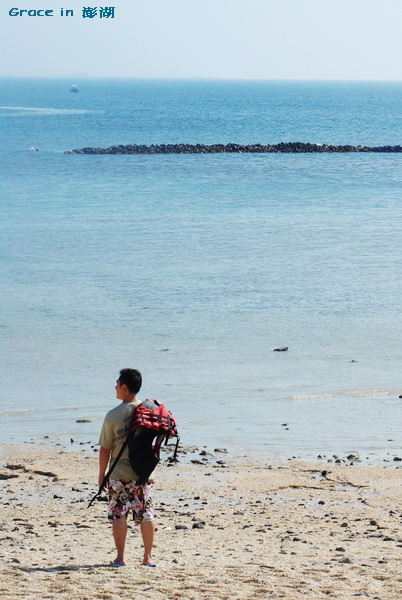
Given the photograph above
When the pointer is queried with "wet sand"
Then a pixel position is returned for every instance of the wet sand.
(225, 531)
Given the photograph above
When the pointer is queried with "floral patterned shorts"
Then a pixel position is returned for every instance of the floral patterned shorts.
(125, 495)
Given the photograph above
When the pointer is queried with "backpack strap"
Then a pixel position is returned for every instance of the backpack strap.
(107, 476)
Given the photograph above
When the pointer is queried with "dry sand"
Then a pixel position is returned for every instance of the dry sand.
(270, 531)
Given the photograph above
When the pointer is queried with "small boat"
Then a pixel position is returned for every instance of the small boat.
(74, 88)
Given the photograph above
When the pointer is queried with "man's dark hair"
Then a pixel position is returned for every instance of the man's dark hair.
(132, 379)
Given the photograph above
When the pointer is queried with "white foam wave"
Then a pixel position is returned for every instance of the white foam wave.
(362, 393)
(312, 397)
(51, 111)
(368, 393)
(10, 413)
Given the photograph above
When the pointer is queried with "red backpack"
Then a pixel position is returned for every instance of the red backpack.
(152, 424)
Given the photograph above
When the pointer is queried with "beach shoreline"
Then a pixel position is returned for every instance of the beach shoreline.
(227, 529)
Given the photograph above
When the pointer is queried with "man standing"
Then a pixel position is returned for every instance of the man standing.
(125, 494)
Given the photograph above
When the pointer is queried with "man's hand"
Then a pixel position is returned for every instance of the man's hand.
(100, 480)
(104, 455)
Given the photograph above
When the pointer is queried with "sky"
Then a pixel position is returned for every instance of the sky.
(213, 39)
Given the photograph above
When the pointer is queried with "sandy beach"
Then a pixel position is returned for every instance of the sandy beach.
(225, 530)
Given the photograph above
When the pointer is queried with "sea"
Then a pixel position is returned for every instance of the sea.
(194, 269)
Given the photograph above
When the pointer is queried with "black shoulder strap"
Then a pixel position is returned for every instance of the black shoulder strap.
(111, 468)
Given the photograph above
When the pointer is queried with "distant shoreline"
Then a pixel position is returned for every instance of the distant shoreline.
(282, 148)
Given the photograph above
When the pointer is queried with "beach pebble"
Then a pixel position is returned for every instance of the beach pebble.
(198, 525)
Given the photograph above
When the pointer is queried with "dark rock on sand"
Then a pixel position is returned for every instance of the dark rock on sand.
(353, 457)
(8, 475)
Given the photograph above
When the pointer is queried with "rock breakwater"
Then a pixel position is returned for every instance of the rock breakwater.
(282, 148)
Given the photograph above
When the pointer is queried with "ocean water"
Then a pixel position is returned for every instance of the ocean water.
(194, 268)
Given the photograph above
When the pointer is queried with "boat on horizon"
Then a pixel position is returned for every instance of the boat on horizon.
(74, 88)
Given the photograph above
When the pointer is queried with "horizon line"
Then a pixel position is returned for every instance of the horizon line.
(87, 77)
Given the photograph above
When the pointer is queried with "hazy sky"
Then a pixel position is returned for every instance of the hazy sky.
(268, 39)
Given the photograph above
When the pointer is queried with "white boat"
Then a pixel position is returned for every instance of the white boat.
(74, 88)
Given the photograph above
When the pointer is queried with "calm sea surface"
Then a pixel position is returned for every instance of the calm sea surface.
(193, 268)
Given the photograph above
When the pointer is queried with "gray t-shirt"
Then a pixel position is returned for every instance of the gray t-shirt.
(114, 433)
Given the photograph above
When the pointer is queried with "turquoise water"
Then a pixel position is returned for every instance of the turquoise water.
(194, 268)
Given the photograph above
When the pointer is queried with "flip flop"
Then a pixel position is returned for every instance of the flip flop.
(149, 565)
(116, 564)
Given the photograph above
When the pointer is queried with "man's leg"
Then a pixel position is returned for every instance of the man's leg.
(119, 535)
(148, 533)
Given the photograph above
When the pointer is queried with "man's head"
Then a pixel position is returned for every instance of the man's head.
(130, 380)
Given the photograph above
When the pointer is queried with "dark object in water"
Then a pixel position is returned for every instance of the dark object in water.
(281, 349)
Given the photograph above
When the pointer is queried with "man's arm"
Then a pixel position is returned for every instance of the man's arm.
(104, 455)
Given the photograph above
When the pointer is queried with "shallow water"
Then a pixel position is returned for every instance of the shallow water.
(194, 268)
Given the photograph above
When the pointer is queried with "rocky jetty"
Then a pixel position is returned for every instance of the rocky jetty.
(282, 148)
